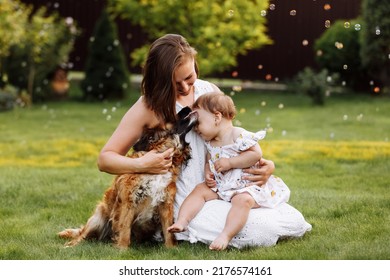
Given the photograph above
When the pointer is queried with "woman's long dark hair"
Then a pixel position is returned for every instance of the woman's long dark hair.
(158, 86)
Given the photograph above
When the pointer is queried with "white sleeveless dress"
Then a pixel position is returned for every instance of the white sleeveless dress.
(265, 226)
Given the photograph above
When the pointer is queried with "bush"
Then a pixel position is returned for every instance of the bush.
(315, 85)
(7, 101)
(106, 74)
(375, 43)
(47, 45)
(338, 51)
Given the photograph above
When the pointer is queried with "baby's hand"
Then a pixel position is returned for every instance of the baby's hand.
(222, 165)
(209, 179)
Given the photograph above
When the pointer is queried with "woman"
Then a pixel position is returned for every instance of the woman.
(170, 82)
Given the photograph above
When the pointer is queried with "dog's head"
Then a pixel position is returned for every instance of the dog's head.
(173, 136)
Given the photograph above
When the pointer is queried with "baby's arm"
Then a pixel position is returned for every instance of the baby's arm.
(209, 176)
(244, 160)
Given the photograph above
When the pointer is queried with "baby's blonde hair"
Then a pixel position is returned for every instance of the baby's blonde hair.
(216, 102)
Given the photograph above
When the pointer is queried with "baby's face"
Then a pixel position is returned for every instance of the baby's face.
(206, 124)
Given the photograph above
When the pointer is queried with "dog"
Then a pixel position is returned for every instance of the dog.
(136, 206)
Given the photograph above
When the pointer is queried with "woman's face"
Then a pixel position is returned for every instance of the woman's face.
(185, 77)
(206, 124)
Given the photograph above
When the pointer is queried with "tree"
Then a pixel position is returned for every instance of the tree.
(43, 48)
(106, 74)
(375, 45)
(13, 19)
(220, 30)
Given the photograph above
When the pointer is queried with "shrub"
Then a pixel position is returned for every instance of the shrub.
(375, 43)
(7, 101)
(338, 51)
(47, 45)
(315, 85)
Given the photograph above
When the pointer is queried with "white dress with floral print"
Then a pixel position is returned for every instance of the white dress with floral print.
(264, 227)
(269, 195)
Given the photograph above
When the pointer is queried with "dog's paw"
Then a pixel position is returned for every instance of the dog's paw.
(72, 243)
(121, 246)
(69, 233)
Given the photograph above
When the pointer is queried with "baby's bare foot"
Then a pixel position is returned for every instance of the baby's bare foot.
(177, 227)
(220, 243)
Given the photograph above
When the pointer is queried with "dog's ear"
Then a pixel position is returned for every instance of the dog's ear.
(186, 121)
(184, 112)
(143, 143)
(149, 136)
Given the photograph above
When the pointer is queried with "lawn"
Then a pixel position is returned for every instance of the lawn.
(335, 159)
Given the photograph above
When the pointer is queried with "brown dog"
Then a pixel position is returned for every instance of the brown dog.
(137, 205)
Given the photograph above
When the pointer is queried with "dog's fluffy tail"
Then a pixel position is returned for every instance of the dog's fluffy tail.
(98, 227)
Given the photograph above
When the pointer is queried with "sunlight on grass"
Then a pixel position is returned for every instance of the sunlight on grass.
(72, 153)
(50, 153)
(302, 150)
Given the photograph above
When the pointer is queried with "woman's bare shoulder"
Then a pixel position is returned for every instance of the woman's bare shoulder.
(140, 114)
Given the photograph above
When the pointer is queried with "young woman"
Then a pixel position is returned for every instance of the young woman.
(170, 82)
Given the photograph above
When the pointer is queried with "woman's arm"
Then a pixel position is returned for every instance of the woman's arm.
(112, 158)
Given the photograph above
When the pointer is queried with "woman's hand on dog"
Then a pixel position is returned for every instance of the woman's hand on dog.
(154, 162)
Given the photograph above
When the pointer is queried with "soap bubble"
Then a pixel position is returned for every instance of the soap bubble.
(358, 27)
(339, 45)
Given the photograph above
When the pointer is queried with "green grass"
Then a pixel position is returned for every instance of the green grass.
(335, 159)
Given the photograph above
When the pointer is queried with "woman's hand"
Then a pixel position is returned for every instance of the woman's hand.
(259, 175)
(154, 162)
